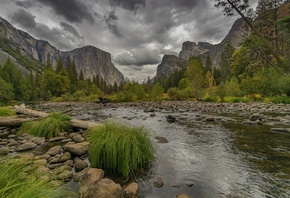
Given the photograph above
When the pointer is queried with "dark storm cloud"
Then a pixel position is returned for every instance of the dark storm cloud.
(138, 57)
(72, 10)
(24, 4)
(111, 20)
(132, 5)
(23, 18)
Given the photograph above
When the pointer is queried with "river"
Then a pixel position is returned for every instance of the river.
(221, 158)
(211, 152)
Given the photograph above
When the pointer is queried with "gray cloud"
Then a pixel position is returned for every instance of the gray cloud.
(131, 5)
(111, 20)
(24, 18)
(138, 57)
(136, 26)
(69, 28)
(24, 4)
(71, 10)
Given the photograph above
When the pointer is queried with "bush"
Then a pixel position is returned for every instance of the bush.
(118, 148)
(50, 126)
(281, 99)
(6, 111)
(236, 99)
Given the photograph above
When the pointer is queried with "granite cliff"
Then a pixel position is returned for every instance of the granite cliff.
(236, 36)
(91, 60)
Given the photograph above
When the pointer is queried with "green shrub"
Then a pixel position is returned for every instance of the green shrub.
(119, 148)
(236, 99)
(6, 111)
(281, 99)
(51, 126)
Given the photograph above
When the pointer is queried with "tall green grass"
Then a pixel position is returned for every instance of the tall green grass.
(17, 180)
(6, 111)
(121, 149)
(50, 126)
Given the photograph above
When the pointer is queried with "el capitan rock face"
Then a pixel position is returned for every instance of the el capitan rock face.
(91, 60)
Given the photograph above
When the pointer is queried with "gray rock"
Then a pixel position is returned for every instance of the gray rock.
(255, 117)
(26, 146)
(131, 191)
(182, 196)
(158, 183)
(80, 164)
(13, 143)
(78, 138)
(54, 160)
(161, 139)
(283, 130)
(65, 157)
(105, 188)
(54, 151)
(56, 139)
(77, 149)
(38, 140)
(4, 133)
(4, 150)
(170, 119)
(87, 178)
(65, 175)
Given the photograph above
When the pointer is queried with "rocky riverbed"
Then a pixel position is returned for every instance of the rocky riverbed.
(188, 136)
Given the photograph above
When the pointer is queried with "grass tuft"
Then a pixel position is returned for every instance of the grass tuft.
(119, 148)
(50, 126)
(17, 179)
(6, 111)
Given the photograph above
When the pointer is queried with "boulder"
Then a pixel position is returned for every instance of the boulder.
(80, 164)
(131, 191)
(65, 175)
(77, 149)
(87, 178)
(54, 151)
(66, 156)
(105, 188)
(170, 119)
(26, 146)
(158, 183)
(78, 138)
(4, 151)
(182, 196)
(255, 117)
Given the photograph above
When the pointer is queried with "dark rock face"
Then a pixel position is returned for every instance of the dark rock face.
(169, 63)
(90, 60)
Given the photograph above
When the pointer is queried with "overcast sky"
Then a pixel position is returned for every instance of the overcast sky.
(136, 32)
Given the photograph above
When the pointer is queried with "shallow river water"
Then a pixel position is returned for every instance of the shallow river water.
(222, 158)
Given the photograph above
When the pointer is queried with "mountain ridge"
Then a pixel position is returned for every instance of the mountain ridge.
(91, 60)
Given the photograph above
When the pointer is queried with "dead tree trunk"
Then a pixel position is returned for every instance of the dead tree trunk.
(21, 109)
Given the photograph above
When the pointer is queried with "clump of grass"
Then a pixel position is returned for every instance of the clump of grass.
(17, 179)
(119, 148)
(6, 111)
(51, 126)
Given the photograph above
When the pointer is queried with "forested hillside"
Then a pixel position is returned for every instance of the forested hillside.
(258, 70)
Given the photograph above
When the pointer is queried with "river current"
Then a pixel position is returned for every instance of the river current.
(220, 158)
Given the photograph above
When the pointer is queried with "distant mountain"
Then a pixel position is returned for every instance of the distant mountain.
(31, 54)
(236, 36)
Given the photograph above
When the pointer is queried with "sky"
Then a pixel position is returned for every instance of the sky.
(137, 33)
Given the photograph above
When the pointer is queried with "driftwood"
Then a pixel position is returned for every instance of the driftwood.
(21, 109)
(14, 120)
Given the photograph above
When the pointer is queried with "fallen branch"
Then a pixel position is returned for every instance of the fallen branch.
(21, 109)
(14, 120)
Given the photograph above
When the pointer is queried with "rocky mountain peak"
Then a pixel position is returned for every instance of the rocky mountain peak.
(88, 59)
(190, 49)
